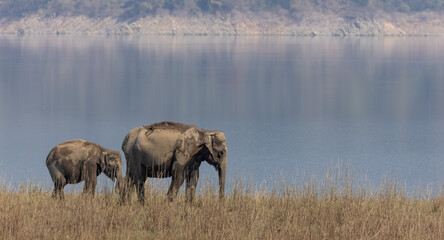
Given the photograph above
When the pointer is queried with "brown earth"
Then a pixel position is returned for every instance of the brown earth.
(236, 23)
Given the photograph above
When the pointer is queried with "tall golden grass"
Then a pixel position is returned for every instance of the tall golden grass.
(339, 207)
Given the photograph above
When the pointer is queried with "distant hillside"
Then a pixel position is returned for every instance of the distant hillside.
(224, 17)
(131, 10)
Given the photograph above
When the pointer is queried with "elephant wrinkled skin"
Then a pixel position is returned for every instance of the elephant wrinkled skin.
(170, 149)
(78, 160)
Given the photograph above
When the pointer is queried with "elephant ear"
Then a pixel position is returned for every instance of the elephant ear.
(209, 139)
(102, 161)
(187, 145)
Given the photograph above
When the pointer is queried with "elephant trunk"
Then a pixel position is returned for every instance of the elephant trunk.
(119, 183)
(222, 170)
(118, 179)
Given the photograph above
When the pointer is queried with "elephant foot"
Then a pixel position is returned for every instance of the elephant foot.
(142, 201)
(123, 199)
(58, 196)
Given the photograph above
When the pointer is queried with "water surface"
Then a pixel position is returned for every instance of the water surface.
(289, 107)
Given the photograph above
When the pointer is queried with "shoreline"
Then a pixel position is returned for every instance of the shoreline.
(235, 24)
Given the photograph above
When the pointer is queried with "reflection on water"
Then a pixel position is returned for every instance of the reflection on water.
(288, 106)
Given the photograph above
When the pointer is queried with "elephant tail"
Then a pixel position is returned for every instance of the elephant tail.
(125, 143)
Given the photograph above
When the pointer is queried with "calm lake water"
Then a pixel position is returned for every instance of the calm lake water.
(289, 107)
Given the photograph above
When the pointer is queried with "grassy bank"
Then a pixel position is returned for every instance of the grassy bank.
(336, 208)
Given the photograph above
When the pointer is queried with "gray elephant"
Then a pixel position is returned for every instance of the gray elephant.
(78, 160)
(170, 149)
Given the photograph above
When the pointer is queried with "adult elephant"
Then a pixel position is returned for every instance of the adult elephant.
(171, 149)
(78, 160)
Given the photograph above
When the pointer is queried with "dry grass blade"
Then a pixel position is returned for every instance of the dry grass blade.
(335, 208)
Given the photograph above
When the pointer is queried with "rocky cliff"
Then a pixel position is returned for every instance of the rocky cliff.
(236, 23)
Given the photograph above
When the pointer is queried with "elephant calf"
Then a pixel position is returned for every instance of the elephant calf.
(78, 160)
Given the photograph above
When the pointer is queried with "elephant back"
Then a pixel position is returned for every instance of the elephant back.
(142, 134)
(145, 139)
(168, 125)
(72, 150)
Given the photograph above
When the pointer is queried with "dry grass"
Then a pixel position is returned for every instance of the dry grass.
(336, 208)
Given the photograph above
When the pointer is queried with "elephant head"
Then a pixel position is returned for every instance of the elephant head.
(111, 165)
(216, 144)
(203, 145)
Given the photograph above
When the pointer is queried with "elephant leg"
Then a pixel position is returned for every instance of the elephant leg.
(176, 182)
(140, 182)
(90, 186)
(140, 191)
(90, 176)
(59, 184)
(127, 188)
(192, 178)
